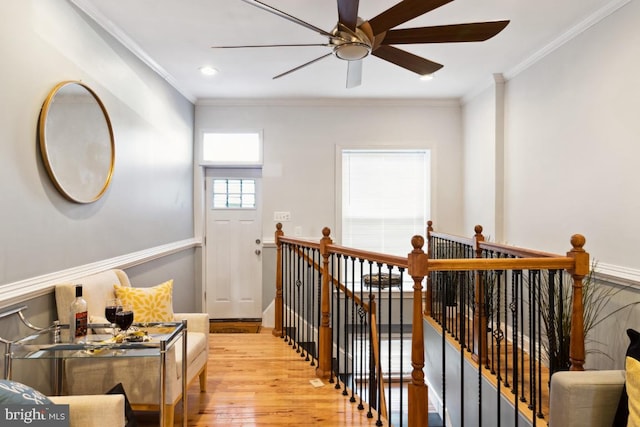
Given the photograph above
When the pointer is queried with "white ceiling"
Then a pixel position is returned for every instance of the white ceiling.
(175, 38)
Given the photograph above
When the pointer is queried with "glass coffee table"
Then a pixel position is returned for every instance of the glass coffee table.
(154, 340)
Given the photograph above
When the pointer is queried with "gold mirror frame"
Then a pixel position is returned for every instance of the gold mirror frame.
(76, 142)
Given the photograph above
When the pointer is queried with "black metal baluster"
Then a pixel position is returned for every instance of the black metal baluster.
(532, 335)
(362, 335)
(561, 302)
(371, 376)
(505, 379)
(298, 291)
(337, 326)
(314, 327)
(521, 290)
(516, 291)
(333, 318)
(302, 343)
(401, 404)
(498, 336)
(345, 342)
(353, 338)
(389, 336)
(292, 275)
(538, 360)
(551, 323)
(286, 270)
(443, 304)
(461, 297)
(333, 310)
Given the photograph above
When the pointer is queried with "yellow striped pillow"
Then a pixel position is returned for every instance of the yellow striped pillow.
(154, 304)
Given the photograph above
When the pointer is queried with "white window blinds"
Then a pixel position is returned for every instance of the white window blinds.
(385, 199)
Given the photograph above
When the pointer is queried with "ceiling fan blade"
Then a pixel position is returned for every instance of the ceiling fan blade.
(348, 13)
(291, 18)
(474, 32)
(406, 60)
(271, 45)
(354, 73)
(302, 66)
(402, 12)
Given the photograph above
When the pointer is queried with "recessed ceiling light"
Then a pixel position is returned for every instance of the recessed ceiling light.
(426, 77)
(208, 70)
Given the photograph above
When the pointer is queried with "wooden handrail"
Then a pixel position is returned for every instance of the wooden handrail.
(453, 238)
(515, 251)
(302, 242)
(485, 264)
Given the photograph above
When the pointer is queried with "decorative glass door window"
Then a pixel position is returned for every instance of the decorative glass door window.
(234, 193)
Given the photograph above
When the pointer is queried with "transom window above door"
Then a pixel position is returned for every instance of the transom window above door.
(232, 148)
(234, 193)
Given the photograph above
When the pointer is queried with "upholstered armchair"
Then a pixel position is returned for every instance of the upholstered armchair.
(138, 375)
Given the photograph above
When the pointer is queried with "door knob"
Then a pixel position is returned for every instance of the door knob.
(258, 251)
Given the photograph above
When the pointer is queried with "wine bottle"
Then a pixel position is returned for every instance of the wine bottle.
(78, 317)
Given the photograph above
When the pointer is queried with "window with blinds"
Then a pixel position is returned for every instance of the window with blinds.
(385, 198)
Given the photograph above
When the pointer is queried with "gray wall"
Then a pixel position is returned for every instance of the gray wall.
(150, 201)
(568, 164)
(301, 138)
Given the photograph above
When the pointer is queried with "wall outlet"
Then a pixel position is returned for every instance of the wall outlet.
(297, 231)
(282, 216)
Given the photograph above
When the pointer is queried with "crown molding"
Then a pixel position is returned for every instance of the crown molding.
(87, 8)
(559, 41)
(331, 102)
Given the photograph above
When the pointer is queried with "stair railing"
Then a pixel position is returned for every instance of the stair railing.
(487, 283)
(343, 308)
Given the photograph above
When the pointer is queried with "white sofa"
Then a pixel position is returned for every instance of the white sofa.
(585, 399)
(93, 411)
(139, 375)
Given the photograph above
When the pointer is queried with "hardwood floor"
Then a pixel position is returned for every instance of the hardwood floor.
(258, 380)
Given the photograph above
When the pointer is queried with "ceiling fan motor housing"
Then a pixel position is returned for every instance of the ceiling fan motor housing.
(350, 46)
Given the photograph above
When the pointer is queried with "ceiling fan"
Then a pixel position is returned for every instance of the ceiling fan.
(353, 39)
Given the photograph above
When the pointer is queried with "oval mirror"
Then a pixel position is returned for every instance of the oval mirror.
(76, 141)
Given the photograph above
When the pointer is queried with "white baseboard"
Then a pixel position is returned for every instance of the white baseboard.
(269, 316)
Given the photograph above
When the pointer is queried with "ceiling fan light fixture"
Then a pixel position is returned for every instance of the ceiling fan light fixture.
(351, 51)
(426, 77)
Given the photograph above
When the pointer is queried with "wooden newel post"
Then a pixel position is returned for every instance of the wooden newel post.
(325, 342)
(428, 295)
(278, 329)
(417, 389)
(579, 271)
(480, 314)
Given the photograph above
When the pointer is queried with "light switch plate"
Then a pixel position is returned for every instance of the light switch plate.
(282, 216)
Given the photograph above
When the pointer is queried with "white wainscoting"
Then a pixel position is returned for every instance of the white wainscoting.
(17, 292)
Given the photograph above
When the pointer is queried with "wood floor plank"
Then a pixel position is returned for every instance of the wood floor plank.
(258, 380)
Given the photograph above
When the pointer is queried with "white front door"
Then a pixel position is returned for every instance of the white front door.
(233, 244)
